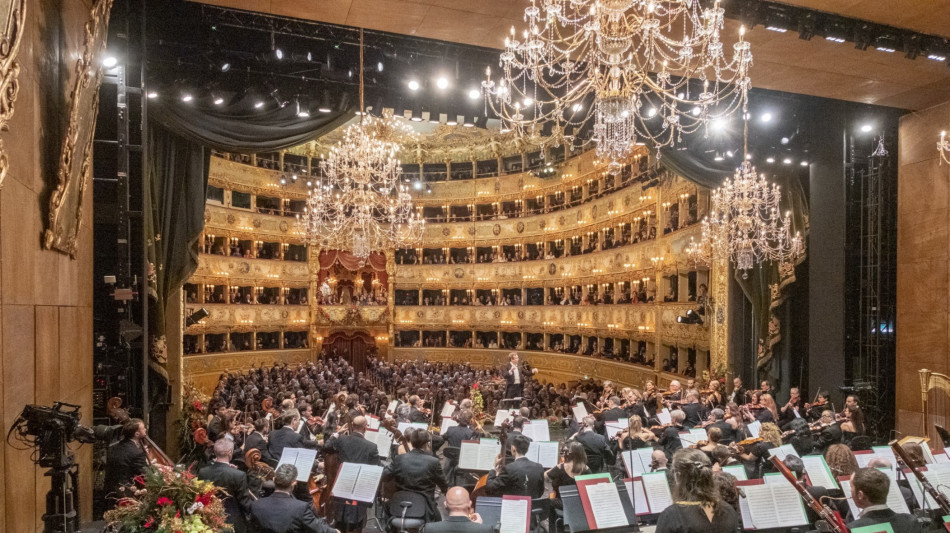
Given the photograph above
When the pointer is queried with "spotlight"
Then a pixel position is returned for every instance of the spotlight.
(452, 120)
(691, 317)
(866, 128)
(218, 100)
(283, 181)
(442, 83)
(151, 95)
(766, 117)
(110, 61)
(417, 185)
(787, 161)
(804, 163)
(187, 97)
(474, 94)
(309, 56)
(278, 53)
(834, 39)
(784, 140)
(413, 85)
(379, 66)
(434, 117)
(729, 153)
(225, 66)
(302, 111)
(776, 29)
(258, 104)
(769, 159)
(718, 157)
(696, 111)
(887, 49)
(720, 124)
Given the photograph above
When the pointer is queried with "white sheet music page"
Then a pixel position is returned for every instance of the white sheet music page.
(818, 471)
(788, 503)
(367, 483)
(754, 428)
(372, 422)
(301, 458)
(488, 450)
(579, 412)
(346, 481)
(468, 455)
(664, 417)
(545, 453)
(446, 424)
(657, 488)
(736, 470)
(782, 451)
(606, 506)
(448, 409)
(502, 415)
(539, 429)
(760, 507)
(615, 426)
(515, 514)
(638, 495)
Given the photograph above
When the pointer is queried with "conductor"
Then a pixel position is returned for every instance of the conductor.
(515, 376)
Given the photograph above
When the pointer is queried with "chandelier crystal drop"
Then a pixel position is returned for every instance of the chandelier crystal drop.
(744, 224)
(640, 69)
(358, 201)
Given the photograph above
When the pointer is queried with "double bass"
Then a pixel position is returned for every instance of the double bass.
(155, 454)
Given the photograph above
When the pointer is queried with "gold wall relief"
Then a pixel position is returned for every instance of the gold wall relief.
(12, 24)
(75, 164)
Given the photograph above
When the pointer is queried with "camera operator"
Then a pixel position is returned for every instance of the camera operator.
(126, 459)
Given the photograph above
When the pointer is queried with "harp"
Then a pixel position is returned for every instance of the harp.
(935, 395)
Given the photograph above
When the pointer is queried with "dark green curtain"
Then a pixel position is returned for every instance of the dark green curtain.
(763, 286)
(180, 136)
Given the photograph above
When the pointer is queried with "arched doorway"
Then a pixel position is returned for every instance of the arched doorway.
(355, 347)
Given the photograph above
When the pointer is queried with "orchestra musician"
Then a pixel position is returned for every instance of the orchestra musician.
(522, 477)
(768, 413)
(217, 426)
(126, 459)
(829, 430)
(675, 394)
(650, 393)
(599, 454)
(714, 397)
(695, 411)
(416, 412)
(614, 412)
(716, 420)
(461, 518)
(353, 448)
(419, 471)
(454, 437)
(514, 378)
(739, 393)
(792, 410)
(853, 417)
(669, 440)
(564, 474)
(282, 513)
(286, 437)
(869, 488)
(635, 436)
(232, 484)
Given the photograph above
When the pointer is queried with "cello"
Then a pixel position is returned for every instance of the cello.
(155, 454)
(481, 487)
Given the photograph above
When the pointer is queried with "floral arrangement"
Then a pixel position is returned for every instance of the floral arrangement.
(169, 500)
(478, 404)
(194, 405)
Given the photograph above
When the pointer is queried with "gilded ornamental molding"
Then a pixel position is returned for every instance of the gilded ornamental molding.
(75, 164)
(238, 271)
(12, 25)
(240, 318)
(246, 224)
(351, 315)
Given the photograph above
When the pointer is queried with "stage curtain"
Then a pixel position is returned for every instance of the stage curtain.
(180, 136)
(376, 261)
(765, 285)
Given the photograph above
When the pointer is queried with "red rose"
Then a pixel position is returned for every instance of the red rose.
(204, 499)
(150, 522)
(139, 479)
(163, 501)
(178, 515)
(197, 406)
(475, 386)
(125, 502)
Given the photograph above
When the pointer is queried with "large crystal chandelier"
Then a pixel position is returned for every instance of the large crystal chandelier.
(628, 64)
(745, 224)
(358, 201)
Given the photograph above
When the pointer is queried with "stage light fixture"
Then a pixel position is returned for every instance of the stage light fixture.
(218, 100)
(302, 111)
(866, 128)
(417, 185)
(804, 163)
(442, 83)
(258, 104)
(785, 140)
(937, 57)
(225, 66)
(379, 66)
(151, 95)
(527, 102)
(468, 122)
(452, 120)
(187, 97)
(110, 61)
(413, 85)
(718, 157)
(474, 94)
(769, 159)
(834, 39)
(416, 116)
(787, 161)
(766, 117)
(577, 107)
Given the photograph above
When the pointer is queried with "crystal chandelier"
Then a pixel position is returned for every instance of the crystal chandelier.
(943, 146)
(358, 201)
(625, 63)
(744, 224)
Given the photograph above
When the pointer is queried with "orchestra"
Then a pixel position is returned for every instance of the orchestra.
(622, 419)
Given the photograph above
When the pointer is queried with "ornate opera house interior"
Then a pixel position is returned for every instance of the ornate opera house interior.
(417, 265)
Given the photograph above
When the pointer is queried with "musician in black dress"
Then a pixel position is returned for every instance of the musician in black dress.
(697, 507)
(564, 474)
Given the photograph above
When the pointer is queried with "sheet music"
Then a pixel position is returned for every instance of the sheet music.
(372, 422)
(928, 455)
(391, 408)
(301, 458)
(515, 514)
(382, 438)
(791, 510)
(446, 424)
(580, 411)
(616, 426)
(939, 476)
(544, 452)
(479, 455)
(754, 428)
(357, 482)
(886, 452)
(637, 461)
(691, 437)
(782, 451)
(664, 417)
(537, 430)
(638, 495)
(468, 455)
(818, 472)
(738, 471)
(771, 505)
(402, 426)
(504, 414)
(448, 410)
(606, 506)
(657, 489)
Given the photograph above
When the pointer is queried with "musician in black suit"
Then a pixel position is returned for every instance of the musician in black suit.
(695, 412)
(126, 458)
(831, 432)
(614, 412)
(237, 502)
(869, 487)
(670, 438)
(218, 425)
(416, 414)
(739, 392)
(523, 477)
(282, 513)
(353, 448)
(463, 431)
(794, 409)
(599, 455)
(419, 471)
(287, 437)
(515, 376)
(461, 519)
(256, 439)
(717, 420)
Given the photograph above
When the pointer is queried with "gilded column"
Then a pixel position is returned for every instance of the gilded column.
(313, 270)
(391, 298)
(719, 311)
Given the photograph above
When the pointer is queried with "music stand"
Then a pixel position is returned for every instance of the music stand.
(576, 520)
(514, 402)
(489, 508)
